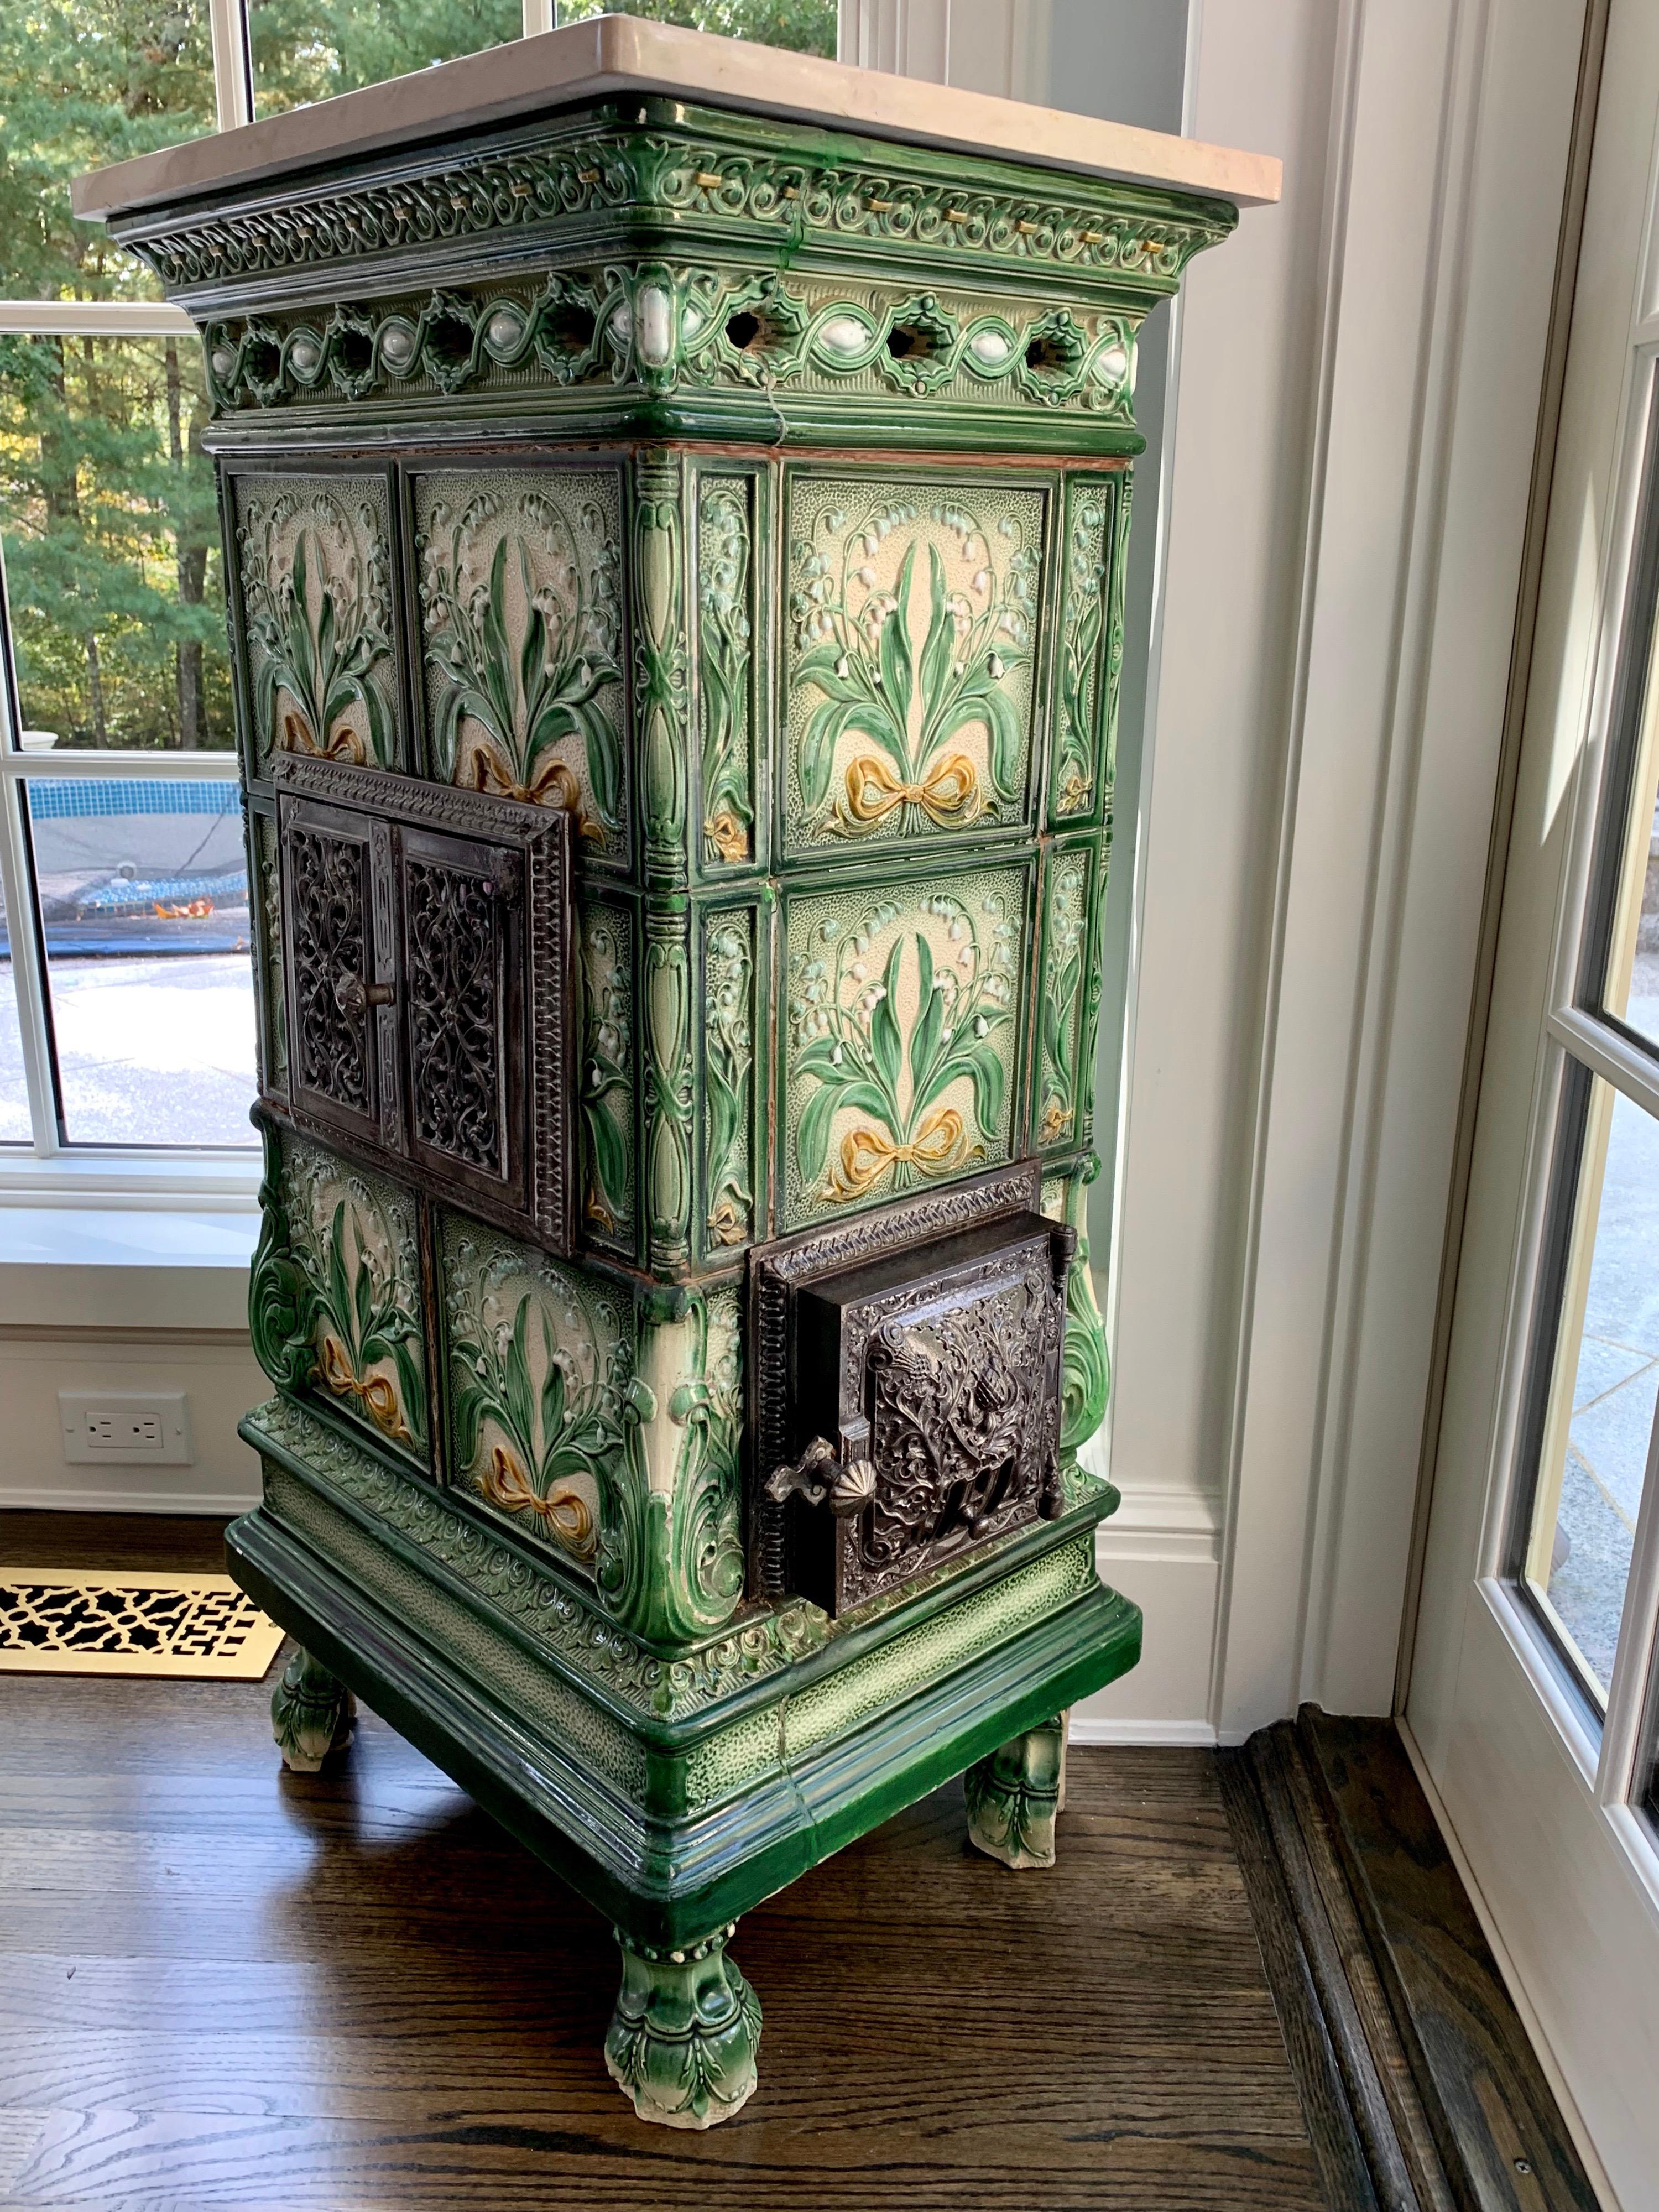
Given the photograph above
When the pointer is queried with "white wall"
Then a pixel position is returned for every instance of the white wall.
(1352, 409)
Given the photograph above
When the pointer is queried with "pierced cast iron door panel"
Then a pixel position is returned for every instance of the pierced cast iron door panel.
(924, 1384)
(427, 946)
(338, 971)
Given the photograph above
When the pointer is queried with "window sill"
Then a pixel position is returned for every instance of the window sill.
(162, 1183)
(131, 1264)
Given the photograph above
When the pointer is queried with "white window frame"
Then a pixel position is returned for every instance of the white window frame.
(45, 1170)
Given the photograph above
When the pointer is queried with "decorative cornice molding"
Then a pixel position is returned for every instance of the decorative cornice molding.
(634, 175)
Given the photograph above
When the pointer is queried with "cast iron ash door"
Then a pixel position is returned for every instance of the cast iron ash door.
(924, 1384)
(426, 958)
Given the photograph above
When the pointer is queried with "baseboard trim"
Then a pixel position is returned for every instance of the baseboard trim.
(73, 1498)
(1086, 1729)
(1420, 2085)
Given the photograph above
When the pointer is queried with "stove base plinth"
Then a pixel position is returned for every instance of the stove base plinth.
(312, 1713)
(682, 2041)
(1014, 1795)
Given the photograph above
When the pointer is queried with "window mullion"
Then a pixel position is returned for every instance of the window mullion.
(28, 973)
(538, 16)
(233, 74)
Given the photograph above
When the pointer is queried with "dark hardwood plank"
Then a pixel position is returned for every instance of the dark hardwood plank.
(223, 1986)
(1497, 2126)
(188, 1542)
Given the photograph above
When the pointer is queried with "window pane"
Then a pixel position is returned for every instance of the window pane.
(83, 83)
(309, 50)
(13, 1093)
(1631, 985)
(1595, 1447)
(113, 567)
(143, 900)
(806, 26)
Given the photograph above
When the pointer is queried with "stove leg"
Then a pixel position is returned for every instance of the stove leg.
(1014, 1795)
(311, 1713)
(682, 2040)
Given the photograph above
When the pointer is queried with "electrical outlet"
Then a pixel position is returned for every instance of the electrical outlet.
(125, 1428)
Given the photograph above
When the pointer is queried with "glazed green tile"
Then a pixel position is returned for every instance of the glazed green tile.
(729, 1027)
(521, 639)
(541, 1386)
(901, 1036)
(909, 660)
(608, 1087)
(725, 668)
(1064, 975)
(314, 581)
(348, 1250)
(273, 1003)
(1094, 535)
(924, 1655)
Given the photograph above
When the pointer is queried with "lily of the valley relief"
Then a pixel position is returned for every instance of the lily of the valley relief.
(1062, 1011)
(912, 631)
(522, 623)
(725, 666)
(902, 1042)
(352, 1240)
(1080, 707)
(317, 613)
(728, 1075)
(607, 1083)
(541, 1387)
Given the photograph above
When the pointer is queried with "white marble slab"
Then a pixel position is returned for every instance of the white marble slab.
(612, 54)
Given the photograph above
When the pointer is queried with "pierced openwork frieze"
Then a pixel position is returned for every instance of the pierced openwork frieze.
(915, 1411)
(428, 952)
(656, 327)
(314, 569)
(521, 632)
(901, 1036)
(909, 659)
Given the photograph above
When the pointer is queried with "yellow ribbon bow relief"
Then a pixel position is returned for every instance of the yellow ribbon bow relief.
(374, 1392)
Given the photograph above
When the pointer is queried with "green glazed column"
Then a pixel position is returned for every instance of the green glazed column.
(683, 2037)
(312, 1713)
(1014, 1795)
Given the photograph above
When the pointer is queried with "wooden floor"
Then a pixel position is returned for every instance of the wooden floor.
(223, 1986)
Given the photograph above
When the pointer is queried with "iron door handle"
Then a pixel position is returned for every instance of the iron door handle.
(354, 997)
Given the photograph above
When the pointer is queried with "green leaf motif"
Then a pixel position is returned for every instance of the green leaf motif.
(525, 659)
(318, 632)
(857, 670)
(921, 1106)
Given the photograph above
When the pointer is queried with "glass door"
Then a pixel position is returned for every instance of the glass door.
(1531, 1703)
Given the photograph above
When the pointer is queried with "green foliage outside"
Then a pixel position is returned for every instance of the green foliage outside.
(106, 508)
(806, 27)
(309, 50)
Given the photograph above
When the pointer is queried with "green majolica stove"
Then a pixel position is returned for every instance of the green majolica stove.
(675, 509)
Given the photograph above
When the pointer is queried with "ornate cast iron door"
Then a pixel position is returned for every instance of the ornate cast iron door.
(923, 1402)
(427, 971)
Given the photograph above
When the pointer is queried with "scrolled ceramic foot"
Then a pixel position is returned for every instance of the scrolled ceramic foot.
(1014, 1795)
(682, 2040)
(311, 1713)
